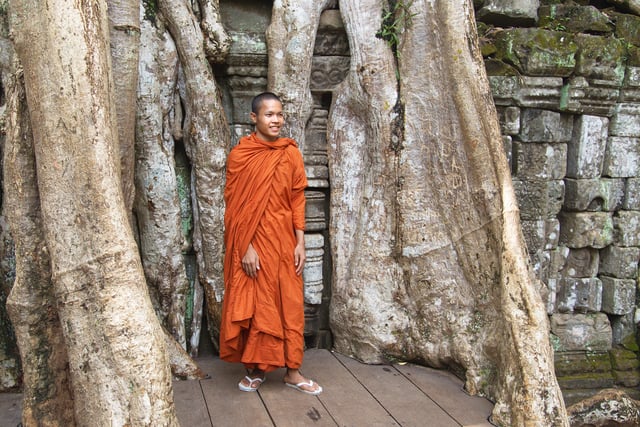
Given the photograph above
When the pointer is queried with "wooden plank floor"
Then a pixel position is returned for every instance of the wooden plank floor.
(354, 394)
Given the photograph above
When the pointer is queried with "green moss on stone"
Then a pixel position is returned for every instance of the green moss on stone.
(600, 57)
(630, 343)
(624, 360)
(573, 18)
(628, 28)
(567, 364)
(537, 52)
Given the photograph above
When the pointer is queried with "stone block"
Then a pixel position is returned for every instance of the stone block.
(507, 143)
(539, 161)
(540, 234)
(628, 28)
(509, 118)
(537, 52)
(593, 195)
(620, 262)
(627, 378)
(622, 157)
(581, 262)
(627, 228)
(581, 362)
(632, 195)
(545, 126)
(574, 19)
(247, 43)
(546, 266)
(625, 120)
(581, 332)
(586, 381)
(630, 91)
(312, 275)
(328, 71)
(623, 329)
(509, 12)
(618, 295)
(600, 57)
(539, 199)
(504, 89)
(539, 92)
(579, 295)
(590, 96)
(315, 216)
(586, 229)
(585, 151)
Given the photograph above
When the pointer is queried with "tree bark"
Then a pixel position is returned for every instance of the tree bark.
(48, 399)
(290, 41)
(207, 138)
(429, 260)
(117, 357)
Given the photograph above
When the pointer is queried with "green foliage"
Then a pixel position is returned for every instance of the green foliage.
(150, 10)
(395, 20)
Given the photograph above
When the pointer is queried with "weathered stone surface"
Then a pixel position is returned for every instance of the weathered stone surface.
(590, 96)
(623, 328)
(625, 120)
(539, 92)
(622, 157)
(585, 151)
(590, 380)
(541, 234)
(600, 57)
(503, 89)
(623, 359)
(579, 295)
(632, 195)
(572, 363)
(331, 38)
(507, 142)
(546, 268)
(604, 194)
(539, 199)
(537, 52)
(317, 176)
(581, 262)
(509, 120)
(312, 275)
(573, 18)
(545, 126)
(509, 12)
(628, 28)
(328, 71)
(583, 229)
(581, 332)
(630, 92)
(315, 217)
(620, 262)
(627, 228)
(627, 378)
(618, 295)
(539, 161)
(607, 408)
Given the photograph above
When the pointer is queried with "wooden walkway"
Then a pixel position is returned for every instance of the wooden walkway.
(354, 395)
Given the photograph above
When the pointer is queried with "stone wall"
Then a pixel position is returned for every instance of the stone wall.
(566, 83)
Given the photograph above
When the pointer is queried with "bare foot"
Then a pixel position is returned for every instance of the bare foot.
(293, 378)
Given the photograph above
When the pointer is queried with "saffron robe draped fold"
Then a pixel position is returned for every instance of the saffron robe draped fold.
(263, 318)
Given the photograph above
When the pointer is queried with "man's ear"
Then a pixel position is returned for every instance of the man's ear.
(253, 117)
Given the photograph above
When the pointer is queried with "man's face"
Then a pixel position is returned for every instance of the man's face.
(269, 120)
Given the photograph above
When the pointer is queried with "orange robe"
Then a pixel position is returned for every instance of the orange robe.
(263, 318)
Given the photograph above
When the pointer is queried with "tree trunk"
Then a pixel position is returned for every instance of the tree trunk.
(290, 40)
(48, 399)
(117, 357)
(429, 261)
(207, 138)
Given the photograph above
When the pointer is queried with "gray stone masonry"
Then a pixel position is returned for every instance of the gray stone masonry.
(625, 120)
(618, 295)
(509, 120)
(579, 295)
(630, 91)
(632, 195)
(585, 151)
(590, 96)
(312, 273)
(539, 161)
(593, 195)
(600, 58)
(545, 126)
(581, 332)
(620, 262)
(627, 228)
(622, 157)
(541, 234)
(539, 199)
(580, 262)
(509, 12)
(586, 229)
(539, 92)
(622, 327)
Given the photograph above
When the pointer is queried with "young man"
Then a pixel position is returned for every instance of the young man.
(263, 312)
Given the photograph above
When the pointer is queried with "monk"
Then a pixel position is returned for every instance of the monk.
(263, 309)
